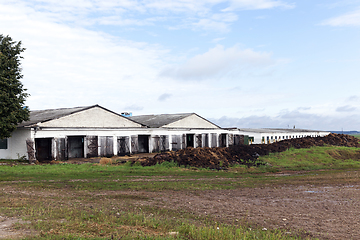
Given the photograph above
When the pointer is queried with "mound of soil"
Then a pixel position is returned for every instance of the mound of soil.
(221, 158)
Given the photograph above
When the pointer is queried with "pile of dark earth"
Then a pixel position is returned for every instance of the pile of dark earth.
(222, 158)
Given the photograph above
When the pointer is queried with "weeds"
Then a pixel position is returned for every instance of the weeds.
(103, 220)
(328, 157)
(87, 201)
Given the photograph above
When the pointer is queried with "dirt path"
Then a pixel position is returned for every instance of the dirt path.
(7, 230)
(329, 212)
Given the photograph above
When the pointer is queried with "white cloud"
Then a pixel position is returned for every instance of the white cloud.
(118, 21)
(216, 22)
(346, 108)
(257, 4)
(353, 98)
(164, 97)
(216, 40)
(200, 14)
(219, 61)
(69, 62)
(348, 19)
(69, 66)
(209, 24)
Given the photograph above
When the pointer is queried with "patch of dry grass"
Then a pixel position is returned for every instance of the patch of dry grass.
(106, 161)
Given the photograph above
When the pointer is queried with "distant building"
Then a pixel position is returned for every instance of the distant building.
(94, 131)
(271, 135)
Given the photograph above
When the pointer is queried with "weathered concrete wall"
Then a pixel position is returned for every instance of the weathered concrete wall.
(209, 137)
(16, 145)
(270, 136)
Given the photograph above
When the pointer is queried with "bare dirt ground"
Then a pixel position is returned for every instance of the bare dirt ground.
(327, 208)
(327, 212)
(7, 230)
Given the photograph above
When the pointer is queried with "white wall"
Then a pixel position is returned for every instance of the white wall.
(16, 144)
(277, 135)
(61, 133)
(192, 121)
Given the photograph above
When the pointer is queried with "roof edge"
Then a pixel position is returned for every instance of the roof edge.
(77, 111)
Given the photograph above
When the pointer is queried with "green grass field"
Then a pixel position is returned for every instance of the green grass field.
(356, 135)
(66, 201)
(314, 158)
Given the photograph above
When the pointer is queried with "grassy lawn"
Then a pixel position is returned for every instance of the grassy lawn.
(356, 135)
(314, 158)
(86, 201)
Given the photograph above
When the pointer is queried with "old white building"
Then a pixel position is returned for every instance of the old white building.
(271, 135)
(96, 131)
(93, 131)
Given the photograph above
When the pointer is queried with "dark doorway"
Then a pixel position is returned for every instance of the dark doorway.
(60, 149)
(43, 149)
(123, 146)
(206, 139)
(214, 140)
(76, 147)
(189, 140)
(222, 140)
(199, 140)
(175, 142)
(106, 146)
(164, 143)
(155, 142)
(143, 143)
(134, 144)
(92, 146)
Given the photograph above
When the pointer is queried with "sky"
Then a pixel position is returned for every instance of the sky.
(238, 63)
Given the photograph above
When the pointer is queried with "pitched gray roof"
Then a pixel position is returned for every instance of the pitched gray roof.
(156, 121)
(38, 116)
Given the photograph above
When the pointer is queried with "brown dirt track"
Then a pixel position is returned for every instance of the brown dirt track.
(324, 211)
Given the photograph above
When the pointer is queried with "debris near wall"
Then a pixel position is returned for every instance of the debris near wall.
(332, 139)
(213, 158)
(222, 158)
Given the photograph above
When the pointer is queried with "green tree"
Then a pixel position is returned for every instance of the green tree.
(12, 94)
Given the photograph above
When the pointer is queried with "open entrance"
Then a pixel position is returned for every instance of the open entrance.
(189, 140)
(43, 149)
(222, 140)
(175, 142)
(76, 147)
(164, 143)
(155, 143)
(123, 146)
(238, 139)
(143, 143)
(106, 146)
(206, 139)
(92, 146)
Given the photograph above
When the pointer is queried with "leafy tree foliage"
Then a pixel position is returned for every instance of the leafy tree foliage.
(12, 95)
